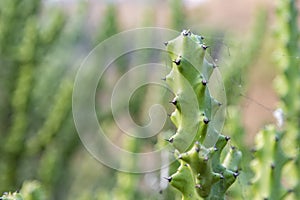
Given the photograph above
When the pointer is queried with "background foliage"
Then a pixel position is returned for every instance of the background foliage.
(42, 45)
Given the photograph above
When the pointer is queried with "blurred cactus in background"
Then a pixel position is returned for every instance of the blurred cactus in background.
(239, 63)
(35, 96)
(287, 83)
(276, 164)
(178, 16)
(41, 46)
(268, 165)
(109, 25)
(31, 190)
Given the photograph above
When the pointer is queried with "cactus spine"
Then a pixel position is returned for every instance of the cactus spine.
(203, 172)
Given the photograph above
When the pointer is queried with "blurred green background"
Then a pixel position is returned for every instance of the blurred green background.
(43, 43)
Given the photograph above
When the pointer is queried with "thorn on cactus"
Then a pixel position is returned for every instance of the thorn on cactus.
(227, 138)
(174, 102)
(204, 46)
(166, 43)
(186, 32)
(177, 61)
(204, 82)
(272, 166)
(236, 174)
(170, 140)
(206, 120)
(169, 179)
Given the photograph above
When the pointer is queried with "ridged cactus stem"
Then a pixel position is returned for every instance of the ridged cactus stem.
(268, 164)
(54, 120)
(203, 173)
(14, 141)
(288, 80)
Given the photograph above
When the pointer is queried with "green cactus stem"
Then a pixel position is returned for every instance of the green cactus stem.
(203, 173)
(268, 164)
(287, 82)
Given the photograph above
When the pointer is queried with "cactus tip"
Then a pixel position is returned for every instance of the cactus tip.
(186, 32)
(206, 120)
(272, 166)
(227, 138)
(174, 102)
(236, 174)
(169, 179)
(204, 46)
(177, 61)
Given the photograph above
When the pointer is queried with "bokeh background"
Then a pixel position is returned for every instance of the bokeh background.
(44, 42)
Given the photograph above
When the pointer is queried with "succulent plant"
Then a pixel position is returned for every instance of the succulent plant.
(204, 172)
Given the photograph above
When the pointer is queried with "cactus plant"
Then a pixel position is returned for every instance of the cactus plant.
(203, 173)
(31, 190)
(287, 83)
(178, 17)
(36, 93)
(11, 196)
(278, 147)
(268, 165)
